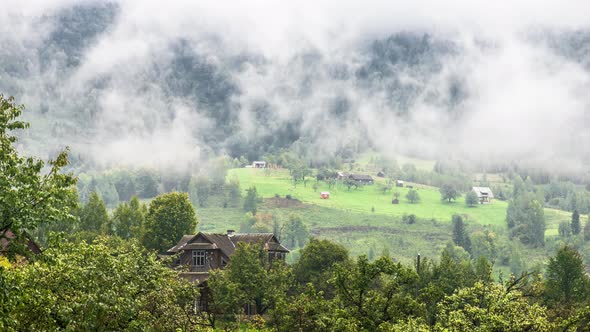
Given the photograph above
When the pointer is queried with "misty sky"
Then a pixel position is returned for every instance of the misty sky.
(522, 68)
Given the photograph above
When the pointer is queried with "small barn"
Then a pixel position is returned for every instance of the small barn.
(399, 183)
(259, 164)
(484, 194)
(325, 195)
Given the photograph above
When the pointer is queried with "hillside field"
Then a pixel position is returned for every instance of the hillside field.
(268, 183)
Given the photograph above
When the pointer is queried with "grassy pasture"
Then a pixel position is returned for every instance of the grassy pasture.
(362, 200)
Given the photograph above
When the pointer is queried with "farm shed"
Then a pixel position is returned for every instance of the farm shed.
(484, 194)
(361, 178)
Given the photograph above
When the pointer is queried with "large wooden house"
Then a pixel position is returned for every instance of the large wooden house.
(203, 252)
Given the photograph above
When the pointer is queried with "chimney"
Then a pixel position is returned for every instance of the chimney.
(230, 232)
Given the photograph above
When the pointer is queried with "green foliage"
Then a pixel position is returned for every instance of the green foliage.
(30, 195)
(525, 218)
(566, 282)
(565, 229)
(370, 294)
(251, 201)
(199, 190)
(483, 244)
(576, 223)
(147, 186)
(128, 219)
(295, 233)
(249, 280)
(471, 198)
(170, 216)
(448, 192)
(105, 286)
(587, 231)
(233, 195)
(490, 307)
(305, 311)
(412, 196)
(460, 235)
(94, 216)
(316, 262)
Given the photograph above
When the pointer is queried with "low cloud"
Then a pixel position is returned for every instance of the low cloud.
(169, 84)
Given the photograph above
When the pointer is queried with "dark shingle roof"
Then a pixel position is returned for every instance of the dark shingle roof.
(227, 243)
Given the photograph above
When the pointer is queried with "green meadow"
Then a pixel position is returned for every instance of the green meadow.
(368, 199)
(364, 220)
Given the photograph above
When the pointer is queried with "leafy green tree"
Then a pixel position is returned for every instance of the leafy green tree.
(526, 220)
(300, 173)
(233, 194)
(147, 186)
(448, 192)
(412, 196)
(248, 280)
(483, 244)
(125, 185)
(105, 286)
(251, 201)
(94, 216)
(587, 230)
(128, 219)
(460, 235)
(316, 263)
(308, 310)
(295, 233)
(29, 195)
(566, 282)
(576, 228)
(564, 229)
(370, 294)
(199, 190)
(471, 198)
(170, 216)
(490, 307)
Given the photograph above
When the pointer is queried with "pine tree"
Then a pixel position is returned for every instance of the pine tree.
(460, 236)
(576, 222)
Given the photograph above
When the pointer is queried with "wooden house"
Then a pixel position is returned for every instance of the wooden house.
(484, 194)
(203, 252)
(361, 179)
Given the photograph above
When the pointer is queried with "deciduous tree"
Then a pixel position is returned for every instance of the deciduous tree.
(29, 194)
(170, 216)
(471, 199)
(448, 192)
(412, 196)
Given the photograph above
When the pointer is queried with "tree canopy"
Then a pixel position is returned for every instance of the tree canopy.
(31, 193)
(170, 216)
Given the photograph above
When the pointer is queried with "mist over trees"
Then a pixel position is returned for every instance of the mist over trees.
(194, 91)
